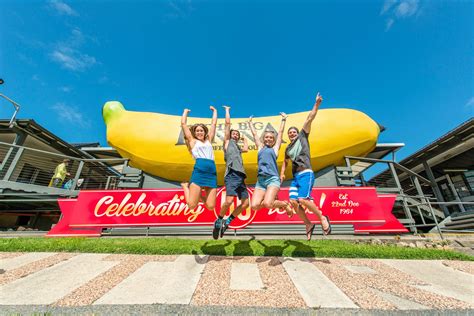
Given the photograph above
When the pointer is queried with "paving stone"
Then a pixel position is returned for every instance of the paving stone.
(245, 276)
(49, 285)
(17, 262)
(315, 288)
(440, 279)
(159, 283)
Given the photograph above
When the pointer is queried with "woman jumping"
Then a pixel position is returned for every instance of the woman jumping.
(268, 180)
(303, 176)
(199, 139)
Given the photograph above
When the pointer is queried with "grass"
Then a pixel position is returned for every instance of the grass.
(225, 247)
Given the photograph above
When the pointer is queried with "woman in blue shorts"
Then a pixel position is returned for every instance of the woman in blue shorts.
(268, 180)
(199, 139)
(303, 176)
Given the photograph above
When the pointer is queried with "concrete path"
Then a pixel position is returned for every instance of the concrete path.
(97, 280)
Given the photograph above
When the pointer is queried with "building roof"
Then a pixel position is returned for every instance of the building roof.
(452, 150)
(33, 129)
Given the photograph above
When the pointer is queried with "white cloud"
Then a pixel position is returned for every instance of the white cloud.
(103, 79)
(387, 5)
(70, 114)
(179, 9)
(406, 8)
(37, 78)
(470, 103)
(68, 55)
(65, 89)
(62, 8)
(72, 59)
(398, 9)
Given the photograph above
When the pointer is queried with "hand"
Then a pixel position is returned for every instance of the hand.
(319, 98)
(212, 108)
(282, 178)
(187, 110)
(250, 118)
(226, 107)
(283, 115)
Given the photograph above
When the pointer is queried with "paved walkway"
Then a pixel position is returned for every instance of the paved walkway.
(65, 279)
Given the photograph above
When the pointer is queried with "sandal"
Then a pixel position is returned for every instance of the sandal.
(289, 211)
(309, 232)
(328, 230)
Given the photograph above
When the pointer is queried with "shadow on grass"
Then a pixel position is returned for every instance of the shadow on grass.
(253, 247)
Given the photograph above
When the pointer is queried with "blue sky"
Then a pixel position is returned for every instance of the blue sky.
(406, 63)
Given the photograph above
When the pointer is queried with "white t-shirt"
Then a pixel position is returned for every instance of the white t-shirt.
(203, 150)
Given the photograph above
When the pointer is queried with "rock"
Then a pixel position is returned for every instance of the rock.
(20, 229)
(411, 245)
(402, 244)
(420, 244)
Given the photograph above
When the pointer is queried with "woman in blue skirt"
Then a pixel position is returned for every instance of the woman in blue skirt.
(199, 139)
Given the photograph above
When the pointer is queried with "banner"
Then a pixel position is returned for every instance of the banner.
(92, 211)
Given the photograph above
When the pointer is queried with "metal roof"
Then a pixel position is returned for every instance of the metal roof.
(452, 150)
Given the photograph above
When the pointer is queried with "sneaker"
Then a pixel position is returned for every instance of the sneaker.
(217, 228)
(225, 226)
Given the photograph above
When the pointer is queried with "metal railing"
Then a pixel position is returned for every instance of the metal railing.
(29, 169)
(411, 195)
(15, 105)
(430, 203)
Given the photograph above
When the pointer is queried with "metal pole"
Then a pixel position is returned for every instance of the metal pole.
(435, 219)
(78, 174)
(404, 201)
(13, 164)
(435, 187)
(455, 193)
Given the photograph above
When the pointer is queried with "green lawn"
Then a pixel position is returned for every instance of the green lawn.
(162, 246)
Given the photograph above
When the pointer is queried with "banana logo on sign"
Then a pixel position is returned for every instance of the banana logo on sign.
(154, 143)
(244, 218)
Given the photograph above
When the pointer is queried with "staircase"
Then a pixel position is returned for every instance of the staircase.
(460, 222)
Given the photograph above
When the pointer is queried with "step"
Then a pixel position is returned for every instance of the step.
(462, 214)
(459, 218)
(463, 226)
(461, 222)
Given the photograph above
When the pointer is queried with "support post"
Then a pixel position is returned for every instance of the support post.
(78, 174)
(434, 186)
(404, 201)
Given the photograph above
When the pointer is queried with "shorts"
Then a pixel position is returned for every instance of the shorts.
(204, 173)
(264, 181)
(235, 185)
(302, 185)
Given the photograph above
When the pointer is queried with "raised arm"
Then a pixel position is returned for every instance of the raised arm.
(246, 145)
(312, 114)
(188, 136)
(254, 133)
(212, 130)
(283, 169)
(227, 126)
(277, 145)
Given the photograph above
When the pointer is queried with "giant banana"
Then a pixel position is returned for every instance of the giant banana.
(154, 142)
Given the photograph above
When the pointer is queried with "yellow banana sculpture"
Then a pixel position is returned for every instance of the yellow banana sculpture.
(154, 142)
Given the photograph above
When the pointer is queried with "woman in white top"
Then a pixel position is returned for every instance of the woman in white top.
(204, 178)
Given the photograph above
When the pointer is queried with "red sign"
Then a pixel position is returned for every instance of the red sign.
(363, 207)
